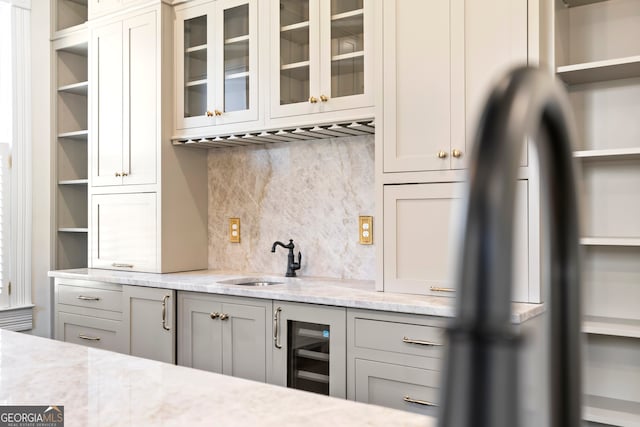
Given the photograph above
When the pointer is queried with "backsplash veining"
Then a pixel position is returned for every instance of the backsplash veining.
(311, 192)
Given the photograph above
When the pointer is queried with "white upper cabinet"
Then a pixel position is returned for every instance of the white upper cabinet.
(440, 60)
(216, 57)
(322, 56)
(124, 134)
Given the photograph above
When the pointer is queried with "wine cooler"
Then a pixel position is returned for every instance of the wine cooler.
(310, 348)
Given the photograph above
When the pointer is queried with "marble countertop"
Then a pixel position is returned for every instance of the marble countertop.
(102, 388)
(342, 293)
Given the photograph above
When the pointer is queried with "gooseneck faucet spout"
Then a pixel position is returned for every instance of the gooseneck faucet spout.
(292, 265)
(481, 387)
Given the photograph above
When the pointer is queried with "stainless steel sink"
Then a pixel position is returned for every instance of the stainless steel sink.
(253, 281)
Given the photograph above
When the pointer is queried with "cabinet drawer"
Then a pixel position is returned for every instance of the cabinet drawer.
(396, 386)
(90, 331)
(87, 297)
(405, 338)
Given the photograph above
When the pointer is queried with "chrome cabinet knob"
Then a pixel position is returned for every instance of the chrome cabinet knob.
(224, 316)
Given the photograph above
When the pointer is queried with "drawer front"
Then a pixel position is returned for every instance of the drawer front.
(398, 387)
(80, 296)
(404, 338)
(89, 331)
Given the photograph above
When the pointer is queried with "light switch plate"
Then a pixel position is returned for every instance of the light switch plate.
(234, 230)
(366, 230)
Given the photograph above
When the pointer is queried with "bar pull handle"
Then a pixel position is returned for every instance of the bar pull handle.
(276, 328)
(84, 298)
(164, 313)
(439, 289)
(419, 402)
(420, 342)
(118, 265)
(88, 338)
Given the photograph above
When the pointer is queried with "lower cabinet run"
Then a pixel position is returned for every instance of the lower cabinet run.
(226, 335)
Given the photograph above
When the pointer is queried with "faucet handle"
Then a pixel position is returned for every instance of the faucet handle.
(296, 265)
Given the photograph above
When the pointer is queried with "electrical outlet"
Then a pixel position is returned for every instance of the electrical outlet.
(234, 230)
(366, 230)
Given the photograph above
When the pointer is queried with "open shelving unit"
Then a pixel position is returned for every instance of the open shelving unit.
(70, 124)
(68, 16)
(598, 58)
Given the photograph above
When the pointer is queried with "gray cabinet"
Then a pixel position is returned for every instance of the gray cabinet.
(89, 313)
(394, 360)
(224, 334)
(149, 318)
(309, 348)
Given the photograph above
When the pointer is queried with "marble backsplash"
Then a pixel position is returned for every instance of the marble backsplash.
(308, 191)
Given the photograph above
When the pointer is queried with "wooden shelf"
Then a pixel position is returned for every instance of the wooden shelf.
(73, 230)
(238, 39)
(237, 75)
(349, 14)
(295, 65)
(198, 48)
(79, 88)
(612, 327)
(73, 182)
(350, 55)
(196, 83)
(611, 411)
(610, 154)
(576, 3)
(610, 241)
(296, 26)
(78, 135)
(81, 49)
(80, 2)
(591, 72)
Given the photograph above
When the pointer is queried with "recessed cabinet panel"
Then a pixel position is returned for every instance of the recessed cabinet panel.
(244, 341)
(124, 232)
(141, 112)
(107, 105)
(424, 222)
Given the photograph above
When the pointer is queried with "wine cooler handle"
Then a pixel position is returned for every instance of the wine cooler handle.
(276, 328)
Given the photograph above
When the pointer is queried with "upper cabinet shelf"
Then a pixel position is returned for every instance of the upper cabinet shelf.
(590, 72)
(608, 154)
(79, 88)
(576, 3)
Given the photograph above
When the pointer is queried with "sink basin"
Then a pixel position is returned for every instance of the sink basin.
(253, 281)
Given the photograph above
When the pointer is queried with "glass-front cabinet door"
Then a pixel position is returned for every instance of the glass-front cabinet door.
(216, 63)
(322, 56)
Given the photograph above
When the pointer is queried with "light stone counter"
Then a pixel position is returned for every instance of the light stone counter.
(101, 388)
(342, 293)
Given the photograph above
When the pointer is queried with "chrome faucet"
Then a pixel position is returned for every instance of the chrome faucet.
(292, 266)
(481, 386)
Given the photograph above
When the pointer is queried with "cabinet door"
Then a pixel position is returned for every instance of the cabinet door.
(200, 336)
(244, 341)
(106, 104)
(309, 348)
(396, 386)
(141, 106)
(421, 222)
(423, 104)
(236, 61)
(124, 232)
(194, 72)
(295, 54)
(346, 57)
(149, 316)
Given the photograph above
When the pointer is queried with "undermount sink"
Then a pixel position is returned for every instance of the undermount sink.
(252, 281)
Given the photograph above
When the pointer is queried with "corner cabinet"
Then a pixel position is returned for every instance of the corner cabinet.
(147, 199)
(322, 56)
(309, 348)
(227, 335)
(216, 60)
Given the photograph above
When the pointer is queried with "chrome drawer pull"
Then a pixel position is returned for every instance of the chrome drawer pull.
(419, 402)
(88, 338)
(420, 342)
(276, 328)
(164, 313)
(118, 265)
(439, 289)
(83, 298)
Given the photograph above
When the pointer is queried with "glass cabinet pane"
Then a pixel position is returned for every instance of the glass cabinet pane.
(236, 58)
(308, 356)
(347, 47)
(294, 51)
(195, 66)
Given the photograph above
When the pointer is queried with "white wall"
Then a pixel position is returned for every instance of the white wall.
(41, 117)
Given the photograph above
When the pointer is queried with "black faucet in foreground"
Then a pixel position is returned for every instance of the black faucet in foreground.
(292, 266)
